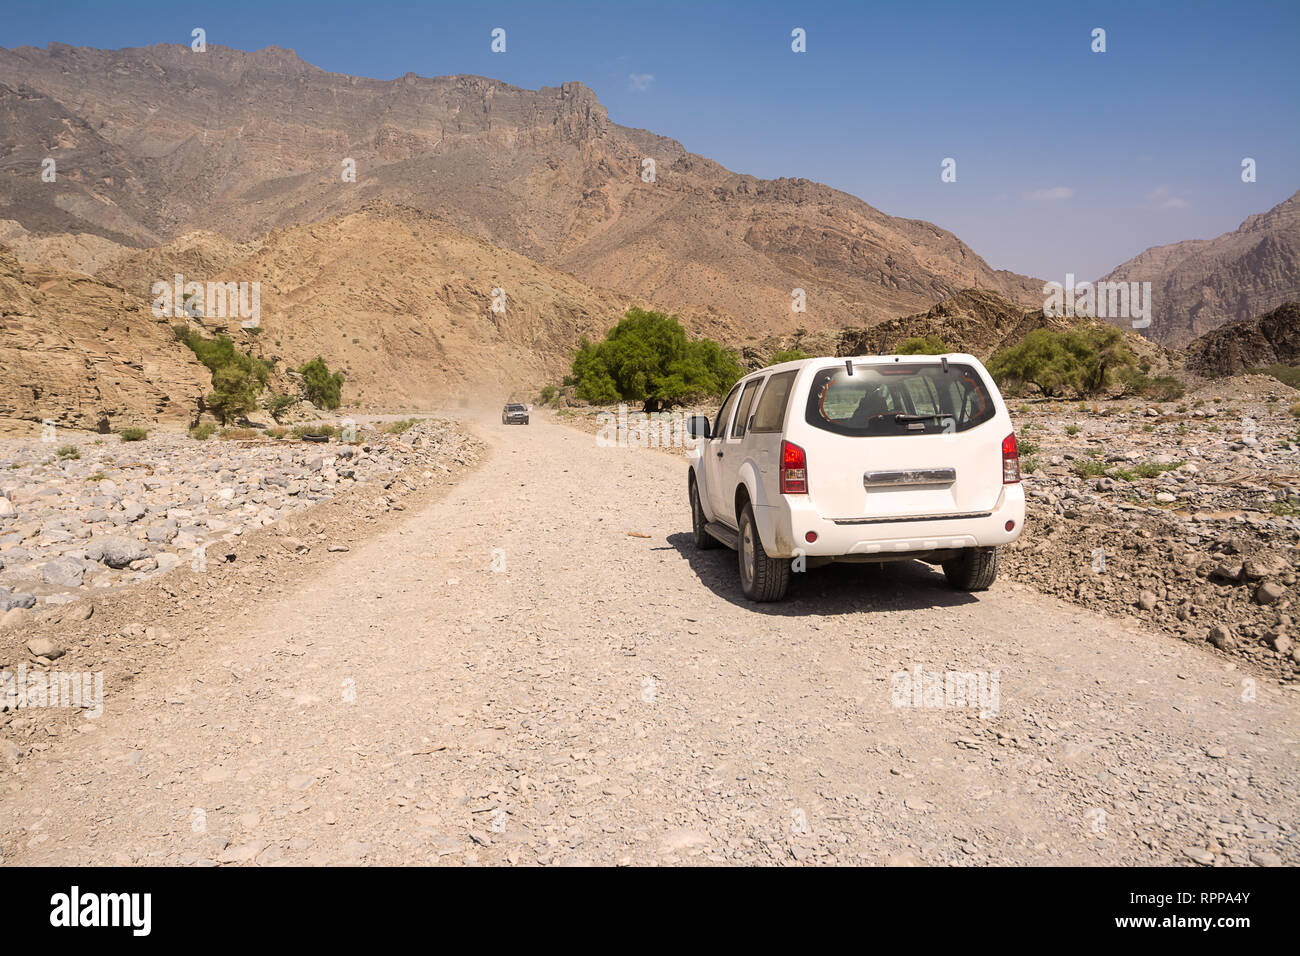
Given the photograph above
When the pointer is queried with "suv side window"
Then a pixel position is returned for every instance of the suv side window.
(771, 407)
(724, 414)
(742, 416)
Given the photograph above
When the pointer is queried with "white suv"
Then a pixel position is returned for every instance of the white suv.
(872, 458)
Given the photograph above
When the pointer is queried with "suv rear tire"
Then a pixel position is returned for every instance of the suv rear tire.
(975, 570)
(761, 578)
(703, 540)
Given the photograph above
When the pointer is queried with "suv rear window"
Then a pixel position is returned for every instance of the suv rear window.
(898, 399)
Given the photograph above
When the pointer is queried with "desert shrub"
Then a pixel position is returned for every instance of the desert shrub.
(1072, 429)
(1089, 468)
(548, 395)
(239, 434)
(69, 453)
(277, 432)
(1078, 362)
(788, 355)
(396, 428)
(923, 345)
(1162, 388)
(133, 434)
(203, 432)
(323, 388)
(647, 358)
(277, 405)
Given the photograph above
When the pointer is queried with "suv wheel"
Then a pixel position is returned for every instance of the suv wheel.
(975, 570)
(761, 578)
(703, 540)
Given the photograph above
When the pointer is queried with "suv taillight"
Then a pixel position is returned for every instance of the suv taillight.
(1010, 460)
(794, 469)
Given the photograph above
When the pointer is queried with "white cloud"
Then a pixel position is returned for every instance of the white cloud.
(1050, 195)
(1162, 198)
(640, 81)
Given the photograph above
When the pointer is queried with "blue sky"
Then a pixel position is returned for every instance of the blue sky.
(1067, 160)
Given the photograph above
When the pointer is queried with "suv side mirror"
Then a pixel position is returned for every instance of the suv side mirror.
(697, 426)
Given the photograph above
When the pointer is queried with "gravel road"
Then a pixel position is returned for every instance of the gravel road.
(539, 668)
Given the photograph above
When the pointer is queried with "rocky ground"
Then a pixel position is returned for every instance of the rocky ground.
(531, 664)
(83, 515)
(1182, 515)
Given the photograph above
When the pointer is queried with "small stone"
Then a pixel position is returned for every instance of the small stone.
(1146, 601)
(1222, 638)
(44, 647)
(1270, 592)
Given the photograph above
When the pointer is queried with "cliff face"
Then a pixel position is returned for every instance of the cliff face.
(1251, 343)
(1201, 284)
(82, 352)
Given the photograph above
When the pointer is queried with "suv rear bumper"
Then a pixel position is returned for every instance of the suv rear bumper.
(783, 527)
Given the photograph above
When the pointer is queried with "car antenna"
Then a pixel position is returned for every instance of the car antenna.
(943, 360)
(848, 365)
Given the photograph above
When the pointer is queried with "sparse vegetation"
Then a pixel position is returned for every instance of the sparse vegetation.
(203, 432)
(133, 434)
(68, 453)
(277, 405)
(1072, 429)
(396, 428)
(239, 434)
(647, 358)
(1163, 388)
(788, 355)
(923, 345)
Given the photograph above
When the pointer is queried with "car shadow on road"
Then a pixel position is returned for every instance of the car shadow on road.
(832, 589)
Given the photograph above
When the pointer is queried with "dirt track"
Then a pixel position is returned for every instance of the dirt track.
(606, 698)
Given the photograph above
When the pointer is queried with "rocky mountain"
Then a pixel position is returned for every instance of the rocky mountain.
(86, 355)
(1201, 284)
(1249, 344)
(154, 143)
(394, 298)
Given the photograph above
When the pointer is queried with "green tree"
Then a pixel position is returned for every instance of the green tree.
(237, 377)
(1075, 362)
(321, 387)
(647, 358)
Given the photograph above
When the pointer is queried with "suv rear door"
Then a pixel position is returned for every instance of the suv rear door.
(712, 454)
(900, 440)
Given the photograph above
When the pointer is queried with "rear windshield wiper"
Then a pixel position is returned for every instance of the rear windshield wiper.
(904, 417)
